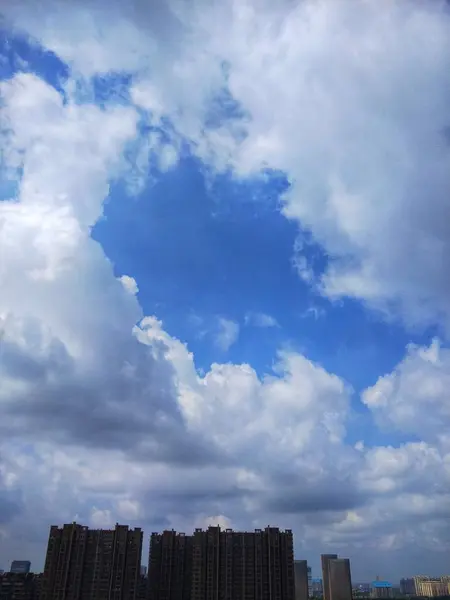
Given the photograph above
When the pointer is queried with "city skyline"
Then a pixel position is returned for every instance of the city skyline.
(24, 565)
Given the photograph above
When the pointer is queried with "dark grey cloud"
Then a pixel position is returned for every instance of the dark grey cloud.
(11, 502)
(330, 494)
(135, 410)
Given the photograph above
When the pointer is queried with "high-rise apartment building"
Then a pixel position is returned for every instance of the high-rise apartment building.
(325, 559)
(169, 567)
(92, 564)
(301, 580)
(221, 564)
(232, 565)
(340, 579)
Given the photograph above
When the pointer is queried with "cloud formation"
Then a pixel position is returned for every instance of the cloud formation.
(257, 319)
(105, 416)
(355, 97)
(227, 335)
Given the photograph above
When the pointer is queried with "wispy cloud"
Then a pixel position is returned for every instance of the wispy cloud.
(259, 319)
(227, 334)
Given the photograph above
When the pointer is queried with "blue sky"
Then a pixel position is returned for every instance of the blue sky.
(199, 254)
(225, 269)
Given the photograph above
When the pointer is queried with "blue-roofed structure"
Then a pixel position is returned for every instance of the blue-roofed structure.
(381, 589)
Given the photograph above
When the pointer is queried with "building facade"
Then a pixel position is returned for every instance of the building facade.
(431, 587)
(407, 586)
(19, 586)
(20, 566)
(325, 560)
(231, 565)
(92, 564)
(340, 580)
(381, 589)
(301, 580)
(170, 566)
(221, 564)
(316, 587)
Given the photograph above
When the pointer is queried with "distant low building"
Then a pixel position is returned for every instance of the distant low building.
(316, 587)
(407, 586)
(21, 586)
(20, 566)
(381, 589)
(431, 587)
(361, 591)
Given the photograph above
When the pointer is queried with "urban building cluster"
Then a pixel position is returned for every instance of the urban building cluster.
(212, 564)
(424, 586)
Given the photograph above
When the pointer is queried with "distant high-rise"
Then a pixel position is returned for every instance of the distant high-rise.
(20, 566)
(407, 587)
(222, 565)
(325, 559)
(301, 580)
(92, 564)
(340, 580)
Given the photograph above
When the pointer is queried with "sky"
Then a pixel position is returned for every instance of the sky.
(224, 258)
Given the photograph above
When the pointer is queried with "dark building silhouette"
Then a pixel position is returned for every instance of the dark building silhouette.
(19, 586)
(340, 579)
(325, 559)
(301, 579)
(142, 592)
(92, 564)
(232, 565)
(222, 565)
(407, 586)
(169, 567)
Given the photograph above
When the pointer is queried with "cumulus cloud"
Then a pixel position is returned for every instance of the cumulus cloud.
(414, 397)
(104, 414)
(129, 283)
(351, 102)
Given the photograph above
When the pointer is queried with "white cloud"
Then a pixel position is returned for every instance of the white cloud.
(361, 109)
(414, 397)
(227, 334)
(101, 519)
(257, 319)
(129, 283)
(350, 102)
